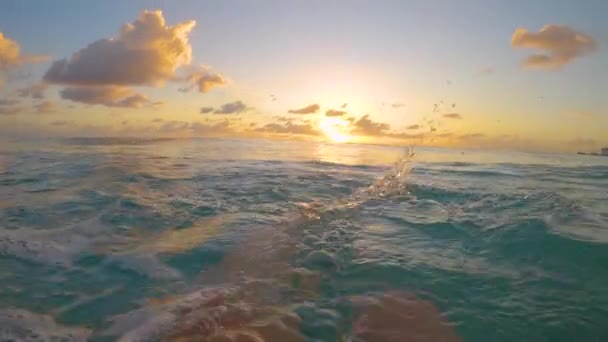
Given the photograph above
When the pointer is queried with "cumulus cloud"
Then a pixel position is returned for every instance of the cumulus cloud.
(45, 107)
(452, 116)
(235, 107)
(107, 96)
(365, 126)
(558, 45)
(289, 127)
(334, 113)
(310, 109)
(144, 52)
(10, 54)
(206, 110)
(35, 91)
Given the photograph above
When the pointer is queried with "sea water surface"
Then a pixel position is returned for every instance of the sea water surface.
(213, 239)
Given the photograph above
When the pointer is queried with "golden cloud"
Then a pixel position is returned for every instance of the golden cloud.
(111, 96)
(10, 54)
(203, 79)
(206, 110)
(145, 52)
(45, 107)
(558, 46)
(310, 109)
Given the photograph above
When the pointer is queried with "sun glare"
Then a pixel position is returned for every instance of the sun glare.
(334, 129)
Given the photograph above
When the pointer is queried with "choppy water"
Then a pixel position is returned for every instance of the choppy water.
(286, 241)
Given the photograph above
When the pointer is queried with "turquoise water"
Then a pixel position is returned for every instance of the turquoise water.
(103, 239)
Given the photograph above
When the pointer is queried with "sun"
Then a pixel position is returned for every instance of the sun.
(334, 128)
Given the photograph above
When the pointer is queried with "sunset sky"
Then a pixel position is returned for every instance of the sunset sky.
(496, 74)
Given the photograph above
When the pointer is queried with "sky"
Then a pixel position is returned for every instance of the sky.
(486, 74)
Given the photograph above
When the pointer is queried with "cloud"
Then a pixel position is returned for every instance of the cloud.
(232, 108)
(61, 123)
(587, 142)
(206, 110)
(9, 110)
(222, 127)
(107, 96)
(486, 71)
(10, 54)
(203, 79)
(289, 127)
(558, 45)
(412, 127)
(471, 136)
(8, 102)
(158, 120)
(144, 52)
(397, 105)
(365, 126)
(582, 115)
(334, 112)
(45, 107)
(310, 109)
(452, 116)
(35, 91)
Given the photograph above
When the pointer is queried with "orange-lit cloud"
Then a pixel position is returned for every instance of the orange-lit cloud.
(10, 54)
(558, 45)
(235, 107)
(203, 79)
(334, 112)
(412, 127)
(310, 109)
(111, 96)
(45, 107)
(145, 52)
(452, 116)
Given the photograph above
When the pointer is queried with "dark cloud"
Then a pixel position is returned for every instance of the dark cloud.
(235, 107)
(335, 112)
(365, 126)
(558, 45)
(206, 110)
(107, 96)
(310, 109)
(452, 116)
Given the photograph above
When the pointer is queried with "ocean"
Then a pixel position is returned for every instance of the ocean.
(108, 239)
